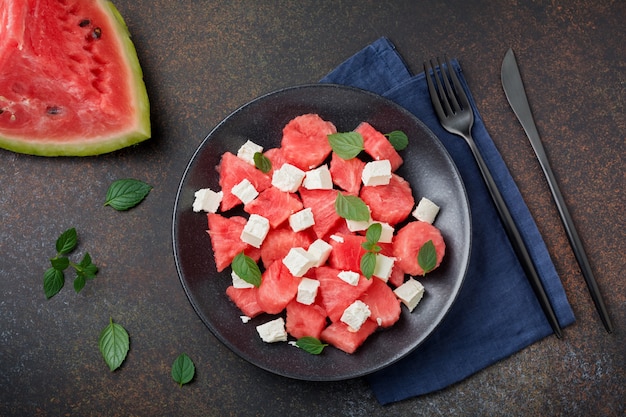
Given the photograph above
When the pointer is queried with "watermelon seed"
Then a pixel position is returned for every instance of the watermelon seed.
(52, 110)
(97, 32)
(83, 23)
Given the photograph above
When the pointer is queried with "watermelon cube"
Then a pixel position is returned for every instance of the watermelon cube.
(305, 141)
(245, 299)
(342, 337)
(391, 203)
(274, 205)
(278, 287)
(337, 294)
(410, 239)
(305, 320)
(232, 171)
(346, 173)
(378, 146)
(322, 204)
(225, 234)
(383, 303)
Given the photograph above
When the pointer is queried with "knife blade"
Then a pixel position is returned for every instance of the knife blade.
(516, 96)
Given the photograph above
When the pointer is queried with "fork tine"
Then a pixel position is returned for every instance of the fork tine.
(457, 86)
(428, 67)
(450, 92)
(444, 93)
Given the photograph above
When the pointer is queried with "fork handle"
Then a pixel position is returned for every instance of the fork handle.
(515, 238)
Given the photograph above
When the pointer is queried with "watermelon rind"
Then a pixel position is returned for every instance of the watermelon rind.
(136, 132)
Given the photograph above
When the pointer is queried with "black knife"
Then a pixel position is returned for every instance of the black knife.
(515, 94)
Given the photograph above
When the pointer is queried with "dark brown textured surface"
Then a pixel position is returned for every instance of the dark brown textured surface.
(201, 60)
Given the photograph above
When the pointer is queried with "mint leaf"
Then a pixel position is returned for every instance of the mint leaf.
(79, 283)
(67, 241)
(346, 145)
(53, 281)
(183, 369)
(60, 263)
(351, 207)
(126, 193)
(399, 140)
(373, 232)
(368, 264)
(427, 257)
(262, 162)
(248, 270)
(311, 345)
(114, 344)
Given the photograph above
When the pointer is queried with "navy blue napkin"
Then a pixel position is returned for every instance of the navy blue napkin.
(496, 313)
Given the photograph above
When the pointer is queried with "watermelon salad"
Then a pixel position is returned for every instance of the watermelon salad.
(284, 224)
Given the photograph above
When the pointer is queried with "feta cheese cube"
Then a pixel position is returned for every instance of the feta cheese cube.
(410, 293)
(337, 238)
(307, 291)
(386, 235)
(319, 251)
(207, 200)
(301, 220)
(247, 151)
(273, 331)
(318, 179)
(255, 230)
(245, 191)
(297, 262)
(426, 210)
(288, 178)
(376, 173)
(384, 265)
(355, 315)
(238, 282)
(350, 277)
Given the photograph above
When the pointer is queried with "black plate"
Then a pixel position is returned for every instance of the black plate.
(429, 169)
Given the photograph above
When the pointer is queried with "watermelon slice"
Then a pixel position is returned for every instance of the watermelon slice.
(278, 288)
(338, 335)
(346, 173)
(233, 170)
(383, 303)
(245, 299)
(305, 320)
(70, 80)
(391, 203)
(337, 294)
(305, 141)
(347, 252)
(378, 146)
(225, 233)
(322, 204)
(408, 242)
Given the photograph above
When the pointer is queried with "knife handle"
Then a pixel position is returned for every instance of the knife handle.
(516, 239)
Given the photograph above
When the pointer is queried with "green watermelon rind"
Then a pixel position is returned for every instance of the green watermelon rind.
(138, 133)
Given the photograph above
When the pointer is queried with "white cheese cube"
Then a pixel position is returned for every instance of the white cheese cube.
(273, 331)
(298, 262)
(238, 282)
(245, 191)
(376, 173)
(319, 251)
(384, 265)
(207, 200)
(355, 315)
(410, 293)
(318, 179)
(301, 220)
(247, 151)
(337, 238)
(288, 178)
(386, 234)
(255, 230)
(426, 210)
(307, 291)
(349, 277)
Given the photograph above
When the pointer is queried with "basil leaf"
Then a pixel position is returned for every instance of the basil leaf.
(346, 145)
(399, 140)
(67, 241)
(248, 270)
(368, 264)
(60, 263)
(126, 193)
(114, 344)
(79, 282)
(311, 345)
(262, 162)
(351, 207)
(427, 257)
(53, 281)
(183, 369)
(373, 232)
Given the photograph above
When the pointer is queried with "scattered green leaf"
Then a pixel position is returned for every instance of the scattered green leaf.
(262, 162)
(427, 257)
(114, 344)
(67, 241)
(60, 263)
(399, 140)
(183, 369)
(311, 345)
(126, 193)
(351, 207)
(53, 281)
(248, 270)
(346, 145)
(368, 264)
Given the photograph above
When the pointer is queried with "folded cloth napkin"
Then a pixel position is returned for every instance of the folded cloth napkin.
(496, 312)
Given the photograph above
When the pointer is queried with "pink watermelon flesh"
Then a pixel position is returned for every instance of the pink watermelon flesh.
(305, 320)
(245, 299)
(232, 171)
(225, 233)
(278, 287)
(391, 203)
(338, 335)
(410, 239)
(378, 146)
(322, 204)
(279, 241)
(274, 205)
(337, 294)
(305, 141)
(346, 173)
(70, 80)
(383, 303)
